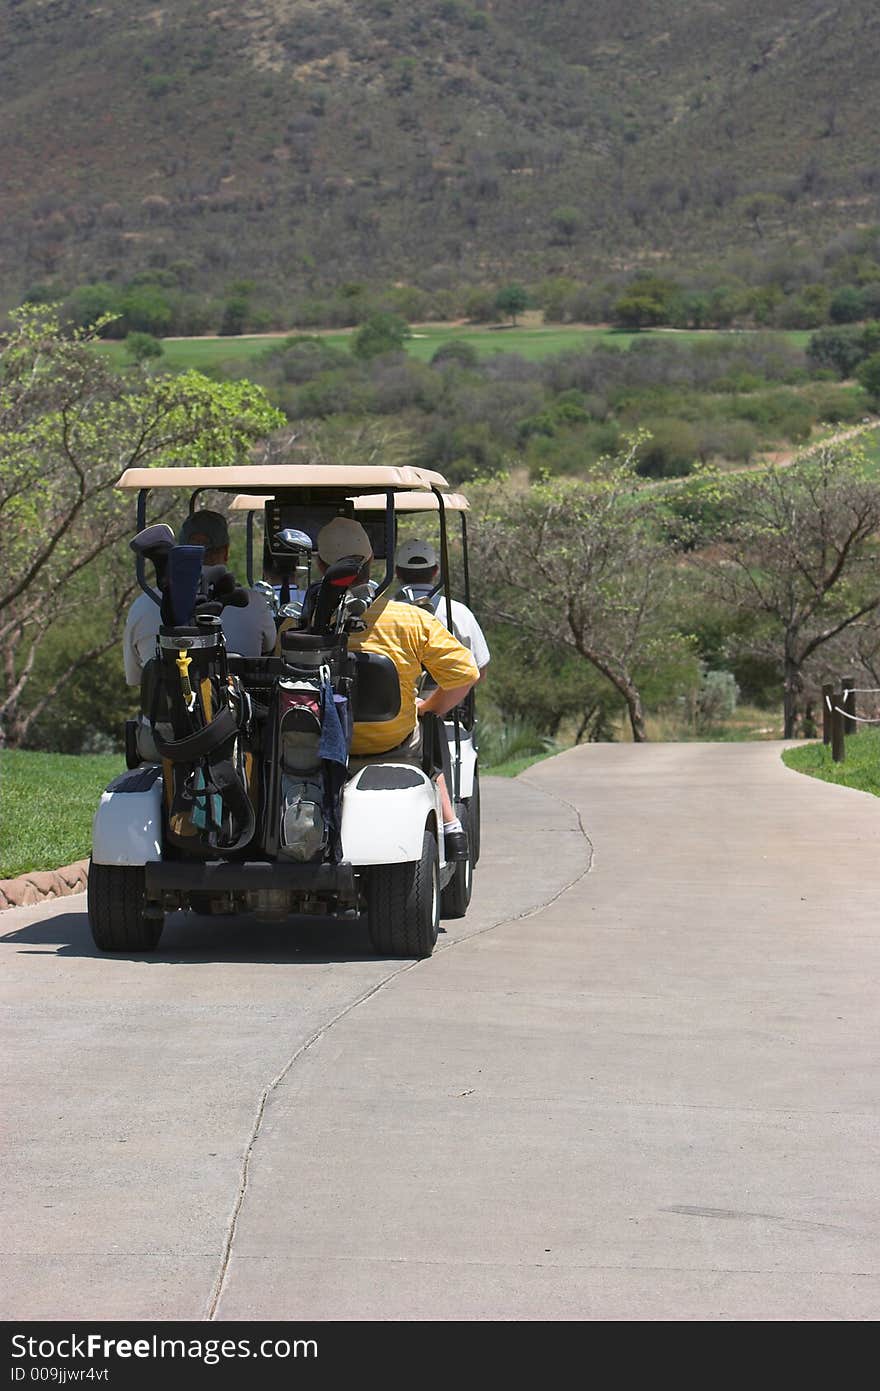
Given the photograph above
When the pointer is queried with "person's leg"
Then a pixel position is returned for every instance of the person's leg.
(446, 802)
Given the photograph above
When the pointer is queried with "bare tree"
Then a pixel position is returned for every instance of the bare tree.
(579, 563)
(793, 558)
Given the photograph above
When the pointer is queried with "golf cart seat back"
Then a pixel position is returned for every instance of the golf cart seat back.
(375, 695)
(376, 690)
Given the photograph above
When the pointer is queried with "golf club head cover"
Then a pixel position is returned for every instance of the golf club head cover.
(221, 587)
(184, 578)
(154, 543)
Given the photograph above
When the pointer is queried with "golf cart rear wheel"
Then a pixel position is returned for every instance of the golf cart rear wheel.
(456, 896)
(117, 900)
(403, 904)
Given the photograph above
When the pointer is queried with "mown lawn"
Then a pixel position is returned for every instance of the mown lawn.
(47, 802)
(860, 768)
(530, 342)
(512, 767)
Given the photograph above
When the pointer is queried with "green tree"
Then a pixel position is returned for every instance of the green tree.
(840, 349)
(142, 347)
(512, 300)
(146, 309)
(69, 426)
(648, 300)
(868, 373)
(380, 333)
(847, 305)
(89, 303)
(235, 313)
(566, 223)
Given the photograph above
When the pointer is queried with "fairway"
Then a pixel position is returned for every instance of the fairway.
(530, 342)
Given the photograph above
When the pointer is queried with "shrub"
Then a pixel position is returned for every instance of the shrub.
(141, 347)
(380, 333)
(502, 740)
(671, 450)
(87, 303)
(868, 373)
(235, 313)
(479, 306)
(455, 352)
(847, 305)
(736, 440)
(302, 358)
(717, 697)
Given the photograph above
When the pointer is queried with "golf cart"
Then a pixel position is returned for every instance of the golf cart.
(239, 794)
(460, 724)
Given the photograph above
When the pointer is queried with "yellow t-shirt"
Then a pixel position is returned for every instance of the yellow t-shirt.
(413, 639)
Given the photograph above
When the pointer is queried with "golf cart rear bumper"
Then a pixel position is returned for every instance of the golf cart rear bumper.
(221, 876)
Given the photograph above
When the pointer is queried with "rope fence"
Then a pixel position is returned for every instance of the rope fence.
(839, 716)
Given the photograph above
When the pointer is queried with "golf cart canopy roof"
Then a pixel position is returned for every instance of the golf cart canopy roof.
(372, 502)
(279, 478)
(411, 502)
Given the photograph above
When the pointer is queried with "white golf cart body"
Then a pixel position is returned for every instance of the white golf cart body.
(388, 808)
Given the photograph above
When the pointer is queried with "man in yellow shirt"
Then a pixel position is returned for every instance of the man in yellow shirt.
(414, 640)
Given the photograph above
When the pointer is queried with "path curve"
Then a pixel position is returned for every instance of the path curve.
(654, 1097)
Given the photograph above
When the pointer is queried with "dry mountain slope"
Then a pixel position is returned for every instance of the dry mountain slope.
(322, 140)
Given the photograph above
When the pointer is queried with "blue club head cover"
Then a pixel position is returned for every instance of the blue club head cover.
(184, 578)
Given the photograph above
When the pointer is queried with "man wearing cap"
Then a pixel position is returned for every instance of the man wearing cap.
(248, 631)
(417, 566)
(414, 640)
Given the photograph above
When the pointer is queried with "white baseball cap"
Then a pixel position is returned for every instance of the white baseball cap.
(341, 537)
(416, 555)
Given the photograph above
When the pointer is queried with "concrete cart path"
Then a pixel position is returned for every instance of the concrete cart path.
(654, 1098)
(132, 1086)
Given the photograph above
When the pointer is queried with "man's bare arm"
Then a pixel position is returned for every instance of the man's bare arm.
(440, 701)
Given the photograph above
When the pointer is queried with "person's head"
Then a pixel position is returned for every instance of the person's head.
(416, 562)
(344, 537)
(208, 529)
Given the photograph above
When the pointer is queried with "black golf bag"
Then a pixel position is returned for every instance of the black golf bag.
(200, 716)
(307, 740)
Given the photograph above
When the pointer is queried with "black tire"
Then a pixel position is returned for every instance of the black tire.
(117, 899)
(456, 896)
(403, 904)
(474, 812)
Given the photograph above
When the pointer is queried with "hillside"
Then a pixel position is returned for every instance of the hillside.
(311, 142)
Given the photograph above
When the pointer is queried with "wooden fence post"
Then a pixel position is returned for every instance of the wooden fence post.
(848, 703)
(827, 703)
(838, 741)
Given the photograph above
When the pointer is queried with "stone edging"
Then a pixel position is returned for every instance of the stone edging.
(39, 885)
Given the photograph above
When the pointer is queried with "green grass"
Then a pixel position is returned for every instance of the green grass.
(860, 768)
(514, 766)
(530, 342)
(47, 802)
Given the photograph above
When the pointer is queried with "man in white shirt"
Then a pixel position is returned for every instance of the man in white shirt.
(249, 631)
(417, 566)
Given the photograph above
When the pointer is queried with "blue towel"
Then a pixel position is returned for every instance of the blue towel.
(333, 747)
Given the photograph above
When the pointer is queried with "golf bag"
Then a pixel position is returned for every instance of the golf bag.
(199, 714)
(311, 731)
